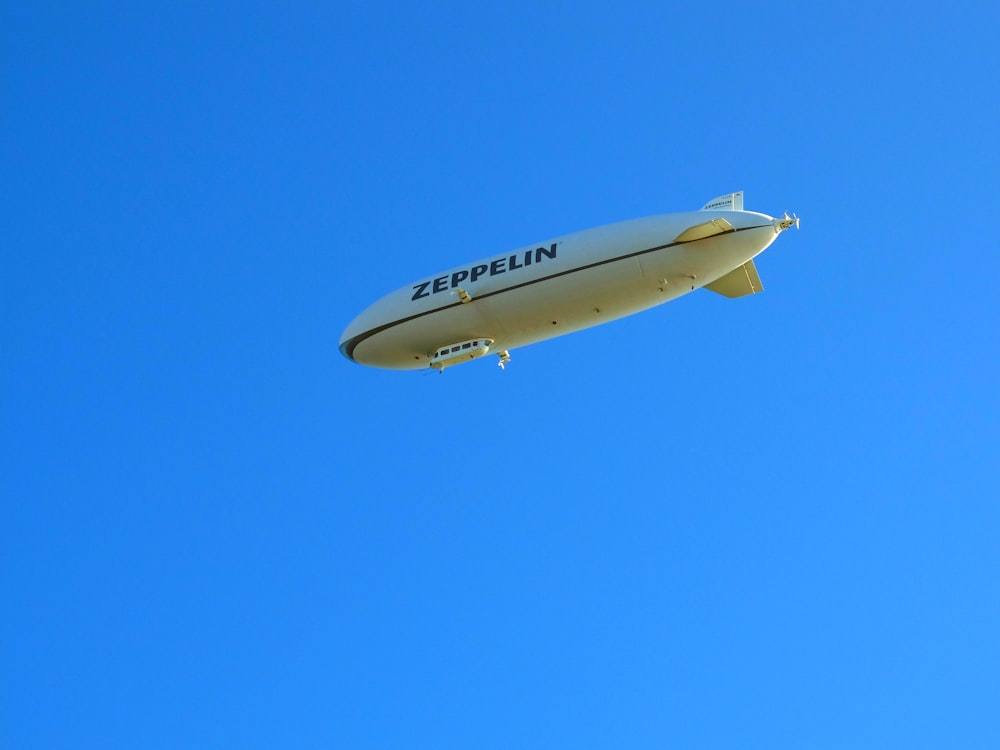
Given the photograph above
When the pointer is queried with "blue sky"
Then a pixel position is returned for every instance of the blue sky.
(764, 522)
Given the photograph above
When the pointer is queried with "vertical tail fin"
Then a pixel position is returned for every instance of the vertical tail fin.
(731, 202)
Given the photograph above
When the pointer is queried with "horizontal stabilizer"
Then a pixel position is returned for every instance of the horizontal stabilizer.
(739, 282)
(701, 231)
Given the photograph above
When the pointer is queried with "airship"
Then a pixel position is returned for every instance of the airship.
(562, 285)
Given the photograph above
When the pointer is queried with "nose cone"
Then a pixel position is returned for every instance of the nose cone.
(378, 336)
(357, 330)
(360, 328)
(345, 349)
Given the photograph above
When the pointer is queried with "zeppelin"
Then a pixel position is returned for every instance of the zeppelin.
(563, 285)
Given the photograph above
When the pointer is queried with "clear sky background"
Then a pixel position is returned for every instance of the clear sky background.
(769, 522)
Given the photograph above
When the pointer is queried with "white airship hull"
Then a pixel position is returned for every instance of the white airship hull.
(562, 285)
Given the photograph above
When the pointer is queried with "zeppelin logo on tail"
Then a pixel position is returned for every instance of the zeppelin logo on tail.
(474, 273)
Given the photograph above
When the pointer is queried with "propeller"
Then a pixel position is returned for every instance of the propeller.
(788, 221)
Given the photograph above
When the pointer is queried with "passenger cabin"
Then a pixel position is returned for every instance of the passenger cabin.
(463, 351)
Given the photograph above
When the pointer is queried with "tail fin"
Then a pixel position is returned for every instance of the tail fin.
(731, 202)
(738, 282)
